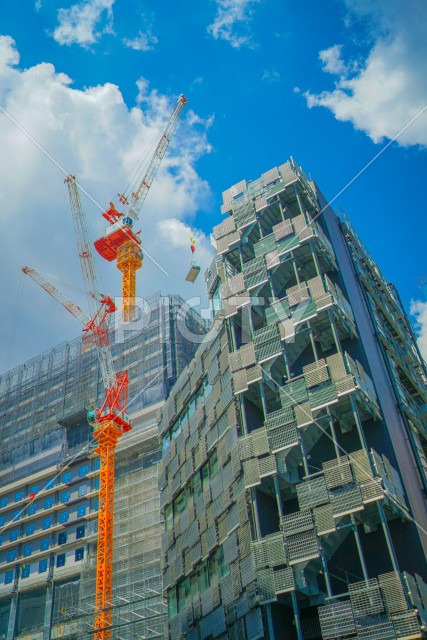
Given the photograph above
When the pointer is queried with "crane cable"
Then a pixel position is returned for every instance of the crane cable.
(142, 165)
(16, 314)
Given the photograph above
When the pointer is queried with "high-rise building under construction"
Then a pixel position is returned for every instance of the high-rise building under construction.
(293, 476)
(49, 481)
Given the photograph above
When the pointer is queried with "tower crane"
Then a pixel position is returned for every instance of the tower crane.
(109, 422)
(119, 241)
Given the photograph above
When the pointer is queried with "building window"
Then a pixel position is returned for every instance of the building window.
(32, 509)
(84, 470)
(60, 560)
(29, 529)
(16, 514)
(172, 604)
(47, 522)
(44, 544)
(48, 503)
(19, 496)
(80, 532)
(3, 502)
(42, 566)
(25, 571)
(65, 496)
(2, 521)
(14, 535)
(50, 483)
(8, 577)
(82, 490)
(81, 510)
(34, 488)
(11, 555)
(28, 550)
(63, 517)
(66, 476)
(62, 537)
(79, 553)
(96, 483)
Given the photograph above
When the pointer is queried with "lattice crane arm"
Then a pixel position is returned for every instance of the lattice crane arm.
(83, 245)
(55, 293)
(93, 294)
(138, 196)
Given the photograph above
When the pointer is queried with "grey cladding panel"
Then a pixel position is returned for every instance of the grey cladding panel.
(270, 176)
(287, 174)
(312, 493)
(336, 620)
(227, 226)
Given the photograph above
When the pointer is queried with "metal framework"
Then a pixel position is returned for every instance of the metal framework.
(110, 421)
(120, 242)
(269, 474)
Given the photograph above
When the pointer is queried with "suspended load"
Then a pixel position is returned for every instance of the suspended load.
(194, 270)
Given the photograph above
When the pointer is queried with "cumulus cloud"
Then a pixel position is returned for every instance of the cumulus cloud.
(231, 22)
(95, 135)
(419, 311)
(383, 93)
(84, 22)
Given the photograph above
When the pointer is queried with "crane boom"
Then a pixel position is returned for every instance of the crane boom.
(55, 293)
(90, 279)
(138, 196)
(119, 241)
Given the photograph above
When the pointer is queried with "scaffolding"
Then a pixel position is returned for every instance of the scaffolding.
(48, 542)
(138, 604)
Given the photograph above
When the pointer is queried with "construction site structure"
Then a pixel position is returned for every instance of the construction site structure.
(293, 478)
(120, 242)
(109, 423)
(50, 481)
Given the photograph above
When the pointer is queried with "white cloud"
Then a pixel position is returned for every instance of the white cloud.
(9, 56)
(383, 94)
(93, 134)
(332, 61)
(419, 311)
(231, 22)
(84, 23)
(142, 42)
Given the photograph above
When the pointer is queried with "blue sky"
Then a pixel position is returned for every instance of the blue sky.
(329, 83)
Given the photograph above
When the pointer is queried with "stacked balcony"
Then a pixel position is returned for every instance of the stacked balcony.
(268, 472)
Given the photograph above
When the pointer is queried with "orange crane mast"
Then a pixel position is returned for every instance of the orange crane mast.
(109, 423)
(119, 241)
